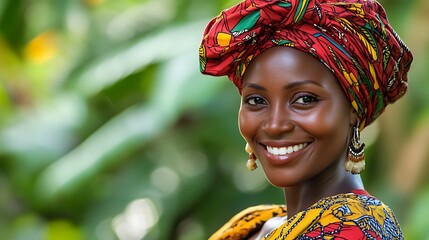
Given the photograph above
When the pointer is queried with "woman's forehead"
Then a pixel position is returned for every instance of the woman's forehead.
(281, 62)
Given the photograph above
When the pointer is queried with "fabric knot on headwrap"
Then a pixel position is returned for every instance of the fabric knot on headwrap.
(352, 38)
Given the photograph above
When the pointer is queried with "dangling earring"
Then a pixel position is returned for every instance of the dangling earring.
(356, 157)
(251, 163)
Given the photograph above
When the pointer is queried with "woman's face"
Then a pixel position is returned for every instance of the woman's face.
(295, 116)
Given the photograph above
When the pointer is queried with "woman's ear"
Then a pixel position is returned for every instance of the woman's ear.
(353, 117)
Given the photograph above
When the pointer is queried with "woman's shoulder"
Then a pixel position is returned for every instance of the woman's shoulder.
(248, 221)
(352, 206)
(349, 216)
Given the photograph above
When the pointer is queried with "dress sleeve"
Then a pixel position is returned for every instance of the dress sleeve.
(248, 222)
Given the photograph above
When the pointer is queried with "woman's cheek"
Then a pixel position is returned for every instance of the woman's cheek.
(242, 123)
(311, 122)
(245, 124)
(323, 120)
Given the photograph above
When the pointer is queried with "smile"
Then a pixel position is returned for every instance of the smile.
(285, 150)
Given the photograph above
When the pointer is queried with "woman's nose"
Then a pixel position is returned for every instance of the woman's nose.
(278, 122)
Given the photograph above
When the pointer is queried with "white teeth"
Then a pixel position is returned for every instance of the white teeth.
(285, 150)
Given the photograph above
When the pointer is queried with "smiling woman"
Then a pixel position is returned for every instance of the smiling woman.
(311, 75)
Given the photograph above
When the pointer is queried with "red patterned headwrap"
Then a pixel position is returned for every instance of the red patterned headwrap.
(352, 38)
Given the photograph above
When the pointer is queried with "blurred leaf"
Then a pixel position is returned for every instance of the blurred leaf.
(45, 132)
(131, 129)
(12, 23)
(117, 64)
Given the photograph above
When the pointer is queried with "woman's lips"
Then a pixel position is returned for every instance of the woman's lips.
(281, 155)
(285, 150)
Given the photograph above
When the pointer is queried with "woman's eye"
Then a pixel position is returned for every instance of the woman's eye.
(306, 99)
(254, 101)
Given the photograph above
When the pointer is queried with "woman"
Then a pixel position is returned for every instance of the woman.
(312, 75)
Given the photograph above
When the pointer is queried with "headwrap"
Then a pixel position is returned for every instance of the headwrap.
(352, 38)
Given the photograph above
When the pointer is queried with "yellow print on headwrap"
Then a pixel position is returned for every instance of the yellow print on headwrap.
(219, 17)
(248, 59)
(367, 40)
(350, 77)
(223, 39)
(357, 8)
(240, 55)
(373, 75)
(355, 105)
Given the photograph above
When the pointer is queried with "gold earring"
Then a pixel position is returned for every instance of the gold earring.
(251, 163)
(356, 157)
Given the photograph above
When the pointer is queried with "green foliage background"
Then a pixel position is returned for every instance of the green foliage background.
(108, 131)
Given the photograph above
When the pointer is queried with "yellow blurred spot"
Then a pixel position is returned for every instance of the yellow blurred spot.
(43, 47)
(4, 98)
(223, 39)
(64, 230)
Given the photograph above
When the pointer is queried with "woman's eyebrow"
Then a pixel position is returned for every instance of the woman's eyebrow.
(288, 86)
(255, 86)
(300, 83)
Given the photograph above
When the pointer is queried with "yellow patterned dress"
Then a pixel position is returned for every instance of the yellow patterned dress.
(345, 216)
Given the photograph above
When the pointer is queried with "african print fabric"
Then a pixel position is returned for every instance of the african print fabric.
(344, 216)
(352, 38)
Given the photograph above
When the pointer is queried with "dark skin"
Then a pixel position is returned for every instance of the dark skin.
(298, 122)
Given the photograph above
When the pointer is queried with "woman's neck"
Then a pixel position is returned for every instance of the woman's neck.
(328, 183)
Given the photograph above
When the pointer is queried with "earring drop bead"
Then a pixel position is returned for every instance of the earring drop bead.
(248, 149)
(251, 162)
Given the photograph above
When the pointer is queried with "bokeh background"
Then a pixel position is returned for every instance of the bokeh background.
(108, 131)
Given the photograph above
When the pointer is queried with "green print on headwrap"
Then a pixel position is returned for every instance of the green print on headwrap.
(300, 11)
(284, 4)
(363, 78)
(283, 42)
(380, 102)
(352, 93)
(246, 23)
(383, 28)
